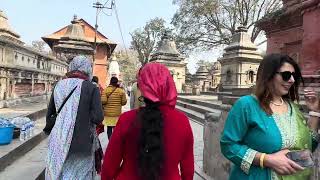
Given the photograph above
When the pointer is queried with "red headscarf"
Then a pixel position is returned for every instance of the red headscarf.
(156, 84)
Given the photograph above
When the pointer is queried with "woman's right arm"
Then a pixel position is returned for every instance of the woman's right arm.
(96, 111)
(50, 111)
(235, 128)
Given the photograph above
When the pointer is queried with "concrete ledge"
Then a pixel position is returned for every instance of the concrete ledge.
(212, 93)
(17, 149)
(185, 94)
(192, 114)
(42, 175)
(38, 114)
(21, 100)
(30, 166)
(200, 173)
(198, 108)
(213, 105)
(212, 117)
(20, 150)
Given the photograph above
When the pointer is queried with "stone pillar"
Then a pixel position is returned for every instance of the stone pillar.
(214, 163)
(2, 87)
(32, 84)
(7, 89)
(13, 87)
(196, 90)
(187, 89)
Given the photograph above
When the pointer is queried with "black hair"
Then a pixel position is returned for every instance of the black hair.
(114, 81)
(268, 68)
(95, 79)
(150, 141)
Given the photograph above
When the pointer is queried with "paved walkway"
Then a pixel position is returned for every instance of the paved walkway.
(23, 109)
(198, 145)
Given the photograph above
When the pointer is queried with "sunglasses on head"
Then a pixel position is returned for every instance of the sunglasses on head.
(286, 75)
(141, 99)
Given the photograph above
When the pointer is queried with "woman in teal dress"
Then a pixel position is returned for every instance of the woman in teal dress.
(262, 128)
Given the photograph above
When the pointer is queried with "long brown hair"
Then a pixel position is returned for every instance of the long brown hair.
(269, 66)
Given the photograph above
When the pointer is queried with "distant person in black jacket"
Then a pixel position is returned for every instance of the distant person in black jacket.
(73, 140)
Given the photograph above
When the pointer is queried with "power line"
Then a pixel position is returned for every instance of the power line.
(119, 25)
(99, 8)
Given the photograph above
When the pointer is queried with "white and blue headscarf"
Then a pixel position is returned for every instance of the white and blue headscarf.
(83, 64)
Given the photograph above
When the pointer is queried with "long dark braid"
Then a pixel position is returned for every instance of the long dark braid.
(151, 144)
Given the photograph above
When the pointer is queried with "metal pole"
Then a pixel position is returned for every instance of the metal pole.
(98, 6)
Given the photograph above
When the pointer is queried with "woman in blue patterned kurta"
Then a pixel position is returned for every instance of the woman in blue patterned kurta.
(72, 137)
(269, 124)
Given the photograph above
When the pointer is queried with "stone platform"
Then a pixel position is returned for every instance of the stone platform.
(24, 157)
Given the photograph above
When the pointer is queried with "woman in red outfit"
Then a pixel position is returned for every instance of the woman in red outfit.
(152, 142)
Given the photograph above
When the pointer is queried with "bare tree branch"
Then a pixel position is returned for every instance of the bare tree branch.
(204, 23)
(144, 41)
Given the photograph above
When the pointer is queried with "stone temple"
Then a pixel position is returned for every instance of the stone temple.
(78, 38)
(294, 30)
(25, 73)
(167, 54)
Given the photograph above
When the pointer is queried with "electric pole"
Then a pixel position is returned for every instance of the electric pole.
(99, 8)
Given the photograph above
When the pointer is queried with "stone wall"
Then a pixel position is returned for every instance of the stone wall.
(178, 74)
(239, 74)
(25, 72)
(214, 163)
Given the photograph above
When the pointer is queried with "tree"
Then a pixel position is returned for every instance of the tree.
(144, 40)
(207, 64)
(129, 64)
(209, 23)
(39, 45)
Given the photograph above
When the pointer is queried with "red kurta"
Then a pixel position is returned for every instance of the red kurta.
(123, 146)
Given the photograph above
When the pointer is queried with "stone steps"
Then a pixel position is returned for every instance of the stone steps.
(213, 104)
(30, 166)
(14, 157)
(17, 149)
(199, 117)
(196, 109)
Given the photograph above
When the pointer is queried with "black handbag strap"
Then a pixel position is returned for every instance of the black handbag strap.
(66, 99)
(111, 93)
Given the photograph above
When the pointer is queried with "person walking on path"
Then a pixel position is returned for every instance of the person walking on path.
(262, 128)
(113, 98)
(95, 80)
(135, 103)
(73, 141)
(155, 141)
(129, 88)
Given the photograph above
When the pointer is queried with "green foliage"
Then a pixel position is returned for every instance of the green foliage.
(129, 65)
(145, 39)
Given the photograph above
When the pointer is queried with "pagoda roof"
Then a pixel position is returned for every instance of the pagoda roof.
(89, 32)
(5, 29)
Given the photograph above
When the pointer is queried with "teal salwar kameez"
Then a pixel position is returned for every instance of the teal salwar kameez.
(249, 129)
